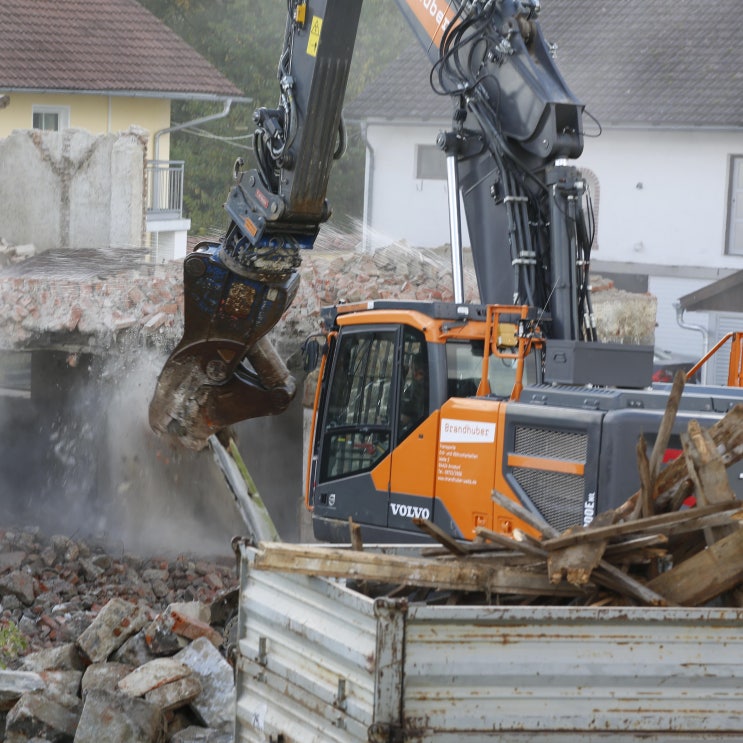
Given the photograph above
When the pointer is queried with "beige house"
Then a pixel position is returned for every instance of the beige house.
(105, 66)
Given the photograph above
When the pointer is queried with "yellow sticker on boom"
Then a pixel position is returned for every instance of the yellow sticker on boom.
(314, 41)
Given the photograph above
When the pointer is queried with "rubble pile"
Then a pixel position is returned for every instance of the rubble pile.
(93, 296)
(95, 646)
(101, 297)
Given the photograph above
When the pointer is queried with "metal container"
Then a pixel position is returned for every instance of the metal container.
(319, 663)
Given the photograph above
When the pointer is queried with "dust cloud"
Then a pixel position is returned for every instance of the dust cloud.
(79, 458)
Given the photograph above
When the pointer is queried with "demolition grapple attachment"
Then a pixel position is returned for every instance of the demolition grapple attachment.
(224, 369)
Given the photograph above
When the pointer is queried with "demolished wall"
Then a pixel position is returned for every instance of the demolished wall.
(72, 189)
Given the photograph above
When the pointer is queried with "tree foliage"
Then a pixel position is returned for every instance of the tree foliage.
(243, 40)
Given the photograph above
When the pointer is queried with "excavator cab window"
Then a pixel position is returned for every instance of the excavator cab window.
(358, 424)
(464, 369)
(414, 388)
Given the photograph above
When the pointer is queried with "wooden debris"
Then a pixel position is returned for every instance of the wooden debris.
(469, 575)
(640, 553)
(706, 575)
(576, 563)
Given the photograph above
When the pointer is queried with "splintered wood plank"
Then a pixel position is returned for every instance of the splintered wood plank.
(727, 435)
(437, 533)
(576, 563)
(504, 540)
(708, 474)
(354, 531)
(652, 525)
(532, 519)
(612, 577)
(460, 574)
(704, 576)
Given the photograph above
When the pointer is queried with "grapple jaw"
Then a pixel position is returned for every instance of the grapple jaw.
(223, 370)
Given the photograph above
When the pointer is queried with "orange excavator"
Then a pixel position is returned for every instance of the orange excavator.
(424, 409)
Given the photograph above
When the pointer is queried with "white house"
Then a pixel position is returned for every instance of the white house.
(663, 83)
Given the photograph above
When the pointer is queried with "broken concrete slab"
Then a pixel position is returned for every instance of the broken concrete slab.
(14, 684)
(104, 676)
(117, 621)
(35, 714)
(115, 717)
(216, 703)
(63, 657)
(20, 584)
(152, 675)
(175, 694)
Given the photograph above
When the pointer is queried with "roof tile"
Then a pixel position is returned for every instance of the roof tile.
(666, 62)
(99, 45)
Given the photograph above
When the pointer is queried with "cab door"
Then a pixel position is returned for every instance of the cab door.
(356, 433)
(413, 460)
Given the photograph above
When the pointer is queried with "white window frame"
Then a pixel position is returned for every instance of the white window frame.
(734, 227)
(63, 112)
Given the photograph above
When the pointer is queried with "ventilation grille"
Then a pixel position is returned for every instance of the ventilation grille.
(557, 496)
(544, 442)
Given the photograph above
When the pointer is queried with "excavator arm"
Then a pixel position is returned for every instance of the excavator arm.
(513, 117)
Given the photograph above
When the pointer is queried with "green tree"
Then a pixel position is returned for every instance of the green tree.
(243, 39)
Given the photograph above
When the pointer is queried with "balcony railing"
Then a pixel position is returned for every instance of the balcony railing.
(164, 189)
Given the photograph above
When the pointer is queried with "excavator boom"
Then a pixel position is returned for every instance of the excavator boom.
(513, 116)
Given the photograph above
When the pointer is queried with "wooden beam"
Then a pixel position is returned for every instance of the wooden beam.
(708, 474)
(532, 519)
(704, 576)
(652, 525)
(727, 434)
(444, 539)
(462, 574)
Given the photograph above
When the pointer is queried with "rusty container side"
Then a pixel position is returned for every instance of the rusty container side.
(569, 673)
(307, 658)
(321, 663)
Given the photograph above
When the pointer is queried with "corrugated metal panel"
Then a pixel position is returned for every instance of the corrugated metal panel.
(303, 642)
(320, 663)
(572, 670)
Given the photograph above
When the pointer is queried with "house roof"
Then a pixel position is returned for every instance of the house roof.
(106, 46)
(724, 295)
(660, 63)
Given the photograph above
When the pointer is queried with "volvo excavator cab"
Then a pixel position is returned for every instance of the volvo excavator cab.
(387, 372)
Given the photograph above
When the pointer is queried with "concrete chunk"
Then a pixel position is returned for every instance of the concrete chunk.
(11, 560)
(13, 684)
(152, 675)
(63, 687)
(135, 651)
(20, 584)
(103, 676)
(191, 628)
(62, 657)
(175, 694)
(35, 714)
(116, 621)
(117, 718)
(216, 703)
